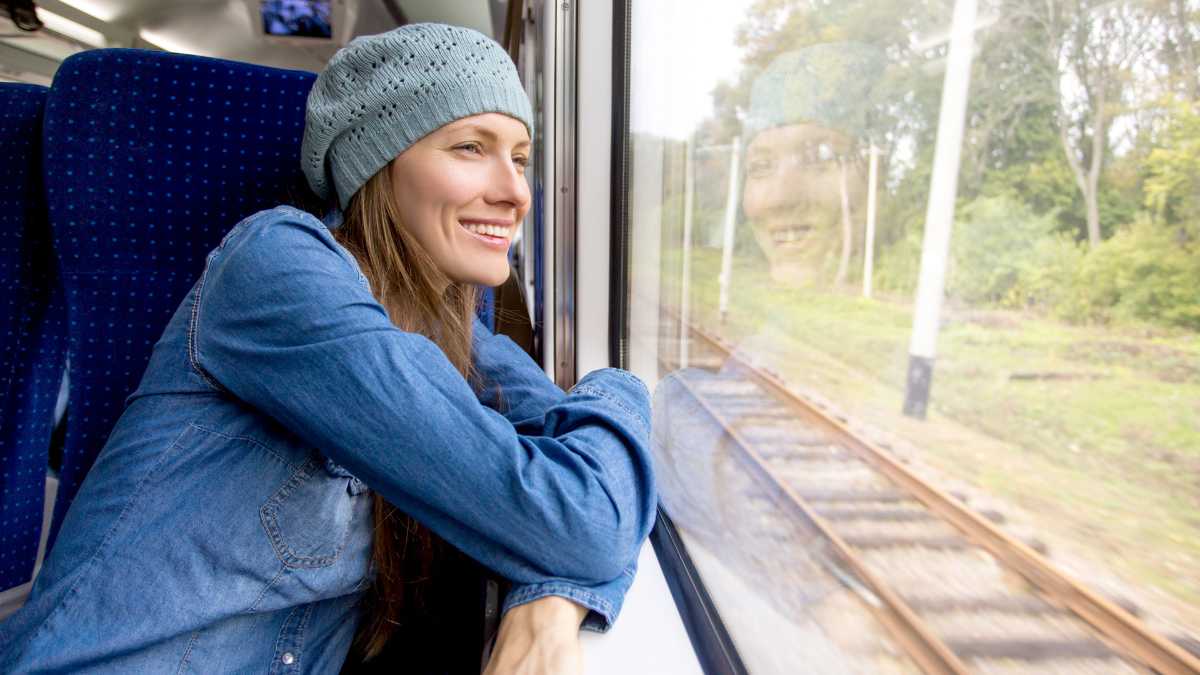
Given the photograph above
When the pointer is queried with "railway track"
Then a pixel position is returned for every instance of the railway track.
(958, 594)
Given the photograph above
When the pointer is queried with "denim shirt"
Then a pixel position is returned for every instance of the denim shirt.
(227, 523)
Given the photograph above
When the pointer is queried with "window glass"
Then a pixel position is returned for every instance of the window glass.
(787, 158)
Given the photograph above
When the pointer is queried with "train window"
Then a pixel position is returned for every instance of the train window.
(917, 285)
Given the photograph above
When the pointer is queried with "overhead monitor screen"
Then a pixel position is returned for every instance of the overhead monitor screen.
(297, 18)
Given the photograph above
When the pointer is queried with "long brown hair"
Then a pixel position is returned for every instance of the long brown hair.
(419, 299)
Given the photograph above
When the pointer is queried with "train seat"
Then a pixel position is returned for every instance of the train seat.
(150, 157)
(32, 332)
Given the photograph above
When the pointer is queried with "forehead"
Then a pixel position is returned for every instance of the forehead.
(781, 139)
(498, 126)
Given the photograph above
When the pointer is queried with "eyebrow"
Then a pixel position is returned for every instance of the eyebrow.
(484, 131)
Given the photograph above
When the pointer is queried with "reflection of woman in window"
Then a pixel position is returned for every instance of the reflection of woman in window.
(805, 182)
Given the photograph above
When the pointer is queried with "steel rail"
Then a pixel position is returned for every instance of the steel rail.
(930, 653)
(1128, 636)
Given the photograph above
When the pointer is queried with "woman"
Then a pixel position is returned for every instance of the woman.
(314, 381)
(806, 182)
(807, 118)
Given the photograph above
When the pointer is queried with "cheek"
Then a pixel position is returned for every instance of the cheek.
(461, 187)
(825, 190)
(764, 242)
(432, 191)
(754, 197)
(427, 211)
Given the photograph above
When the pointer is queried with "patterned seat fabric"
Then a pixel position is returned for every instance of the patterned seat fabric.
(32, 332)
(150, 158)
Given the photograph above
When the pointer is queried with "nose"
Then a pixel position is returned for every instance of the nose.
(783, 192)
(507, 186)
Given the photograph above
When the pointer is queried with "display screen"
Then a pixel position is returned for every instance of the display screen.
(297, 18)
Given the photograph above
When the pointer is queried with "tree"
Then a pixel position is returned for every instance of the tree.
(1089, 51)
(1181, 47)
(902, 108)
(1172, 184)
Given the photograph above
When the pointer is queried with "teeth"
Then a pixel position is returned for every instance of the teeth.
(490, 230)
(790, 234)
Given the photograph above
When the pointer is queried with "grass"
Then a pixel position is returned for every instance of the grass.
(1098, 434)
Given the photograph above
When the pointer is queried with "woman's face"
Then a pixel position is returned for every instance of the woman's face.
(793, 199)
(462, 193)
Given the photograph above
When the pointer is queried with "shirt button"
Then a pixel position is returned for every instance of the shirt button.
(288, 658)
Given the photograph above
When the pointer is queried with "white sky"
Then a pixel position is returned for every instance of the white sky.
(681, 50)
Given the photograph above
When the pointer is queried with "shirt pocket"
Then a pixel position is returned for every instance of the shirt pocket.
(313, 517)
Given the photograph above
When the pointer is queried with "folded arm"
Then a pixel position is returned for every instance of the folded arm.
(284, 323)
(511, 382)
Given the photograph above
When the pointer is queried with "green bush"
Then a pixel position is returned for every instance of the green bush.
(993, 242)
(1173, 169)
(1144, 272)
(1046, 276)
(897, 266)
(1004, 255)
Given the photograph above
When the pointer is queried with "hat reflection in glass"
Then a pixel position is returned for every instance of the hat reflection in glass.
(806, 176)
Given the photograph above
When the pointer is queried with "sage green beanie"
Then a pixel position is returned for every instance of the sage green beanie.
(381, 93)
(831, 84)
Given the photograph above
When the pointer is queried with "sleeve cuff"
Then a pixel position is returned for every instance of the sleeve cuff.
(603, 609)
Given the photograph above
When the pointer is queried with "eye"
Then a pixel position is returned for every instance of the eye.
(471, 147)
(761, 166)
(521, 161)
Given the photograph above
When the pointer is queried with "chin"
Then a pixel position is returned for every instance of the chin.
(486, 277)
(793, 274)
(496, 280)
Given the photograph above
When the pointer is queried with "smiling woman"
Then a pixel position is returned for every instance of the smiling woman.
(805, 175)
(325, 422)
(461, 191)
(798, 179)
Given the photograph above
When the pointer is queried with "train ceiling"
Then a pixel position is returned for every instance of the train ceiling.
(219, 28)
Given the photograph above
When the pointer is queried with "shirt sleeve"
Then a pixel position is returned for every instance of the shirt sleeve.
(510, 382)
(283, 321)
(603, 600)
(516, 386)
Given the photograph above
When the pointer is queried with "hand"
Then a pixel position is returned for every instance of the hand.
(540, 637)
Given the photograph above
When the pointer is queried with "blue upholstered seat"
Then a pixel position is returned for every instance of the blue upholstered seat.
(150, 158)
(32, 332)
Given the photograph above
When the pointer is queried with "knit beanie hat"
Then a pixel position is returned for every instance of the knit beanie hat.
(830, 84)
(381, 93)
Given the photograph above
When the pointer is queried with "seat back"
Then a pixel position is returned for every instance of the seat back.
(150, 158)
(32, 332)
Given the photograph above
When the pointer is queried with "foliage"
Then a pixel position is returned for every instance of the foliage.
(1047, 187)
(898, 265)
(1173, 169)
(1079, 186)
(1005, 255)
(991, 246)
(1144, 272)
(1046, 280)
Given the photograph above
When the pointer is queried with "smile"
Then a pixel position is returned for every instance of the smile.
(493, 234)
(790, 233)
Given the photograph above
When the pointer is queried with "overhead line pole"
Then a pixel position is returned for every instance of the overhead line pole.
(939, 214)
(729, 229)
(685, 289)
(869, 247)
